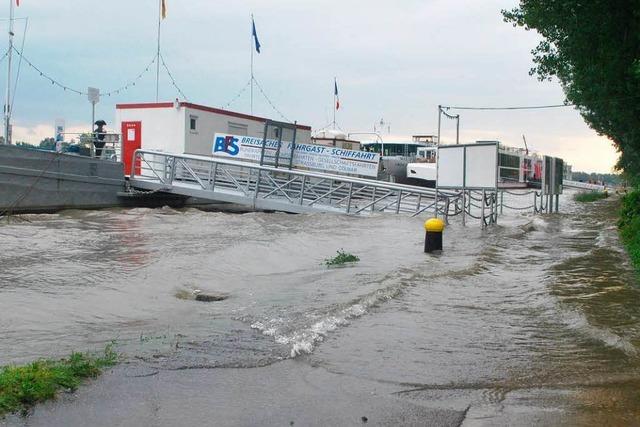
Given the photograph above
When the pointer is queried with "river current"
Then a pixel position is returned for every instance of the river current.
(537, 312)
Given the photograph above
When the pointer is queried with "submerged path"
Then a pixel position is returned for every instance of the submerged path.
(536, 320)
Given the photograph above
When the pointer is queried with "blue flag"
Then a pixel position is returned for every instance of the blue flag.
(255, 35)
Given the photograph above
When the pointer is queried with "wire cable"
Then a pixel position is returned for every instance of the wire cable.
(4, 56)
(15, 86)
(271, 103)
(64, 87)
(134, 81)
(235, 98)
(447, 115)
(46, 76)
(535, 107)
(173, 81)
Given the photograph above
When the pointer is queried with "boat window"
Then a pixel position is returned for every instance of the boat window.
(193, 122)
(509, 167)
(372, 148)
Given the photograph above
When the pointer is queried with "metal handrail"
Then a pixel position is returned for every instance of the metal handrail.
(255, 166)
(291, 190)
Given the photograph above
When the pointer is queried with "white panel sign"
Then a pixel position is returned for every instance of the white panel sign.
(473, 166)
(481, 166)
(451, 166)
(93, 94)
(318, 157)
(59, 126)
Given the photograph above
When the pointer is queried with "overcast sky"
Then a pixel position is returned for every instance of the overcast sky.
(393, 60)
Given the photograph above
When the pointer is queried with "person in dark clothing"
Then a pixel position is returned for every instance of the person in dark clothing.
(98, 137)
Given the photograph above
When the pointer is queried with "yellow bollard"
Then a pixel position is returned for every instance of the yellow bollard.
(433, 236)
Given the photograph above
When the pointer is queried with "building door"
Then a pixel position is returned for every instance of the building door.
(131, 141)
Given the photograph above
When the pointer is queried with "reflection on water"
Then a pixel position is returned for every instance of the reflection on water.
(537, 312)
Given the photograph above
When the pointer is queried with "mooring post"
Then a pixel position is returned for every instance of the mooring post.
(433, 235)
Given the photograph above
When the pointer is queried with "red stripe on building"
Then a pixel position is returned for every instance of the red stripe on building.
(197, 107)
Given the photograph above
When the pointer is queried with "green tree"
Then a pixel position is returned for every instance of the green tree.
(47, 144)
(24, 144)
(593, 48)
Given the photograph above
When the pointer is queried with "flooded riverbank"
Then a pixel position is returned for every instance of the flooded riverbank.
(538, 315)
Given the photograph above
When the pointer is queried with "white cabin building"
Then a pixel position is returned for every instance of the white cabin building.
(186, 128)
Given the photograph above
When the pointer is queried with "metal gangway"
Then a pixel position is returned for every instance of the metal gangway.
(268, 188)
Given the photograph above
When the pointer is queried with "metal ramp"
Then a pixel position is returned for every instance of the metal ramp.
(263, 187)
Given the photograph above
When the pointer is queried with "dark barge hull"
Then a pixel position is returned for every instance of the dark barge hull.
(37, 181)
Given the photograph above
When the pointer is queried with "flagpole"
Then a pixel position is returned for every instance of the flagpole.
(251, 49)
(7, 104)
(335, 83)
(158, 51)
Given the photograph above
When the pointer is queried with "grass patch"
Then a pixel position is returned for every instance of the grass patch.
(341, 258)
(591, 196)
(23, 386)
(629, 226)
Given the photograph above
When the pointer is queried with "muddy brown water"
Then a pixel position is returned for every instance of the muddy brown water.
(538, 313)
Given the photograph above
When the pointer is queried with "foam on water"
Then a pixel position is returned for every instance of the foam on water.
(302, 332)
(578, 322)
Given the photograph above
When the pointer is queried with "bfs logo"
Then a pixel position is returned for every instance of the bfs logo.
(227, 144)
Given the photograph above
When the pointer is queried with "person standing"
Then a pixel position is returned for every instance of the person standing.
(98, 137)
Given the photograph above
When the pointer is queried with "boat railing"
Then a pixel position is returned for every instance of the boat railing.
(110, 151)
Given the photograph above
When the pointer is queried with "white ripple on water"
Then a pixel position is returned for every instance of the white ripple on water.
(314, 328)
(578, 322)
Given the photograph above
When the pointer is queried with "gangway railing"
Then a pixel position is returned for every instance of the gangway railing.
(289, 190)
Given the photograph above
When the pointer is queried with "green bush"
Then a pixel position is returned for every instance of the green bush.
(629, 225)
(591, 196)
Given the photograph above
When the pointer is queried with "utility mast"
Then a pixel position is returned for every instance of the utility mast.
(7, 101)
(525, 145)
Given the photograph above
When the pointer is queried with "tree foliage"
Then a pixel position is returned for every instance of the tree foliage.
(593, 48)
(47, 144)
(607, 178)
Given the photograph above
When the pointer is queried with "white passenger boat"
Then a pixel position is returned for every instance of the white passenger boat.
(423, 171)
(397, 154)
(518, 168)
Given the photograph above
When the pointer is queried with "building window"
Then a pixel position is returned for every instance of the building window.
(193, 123)
(237, 129)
